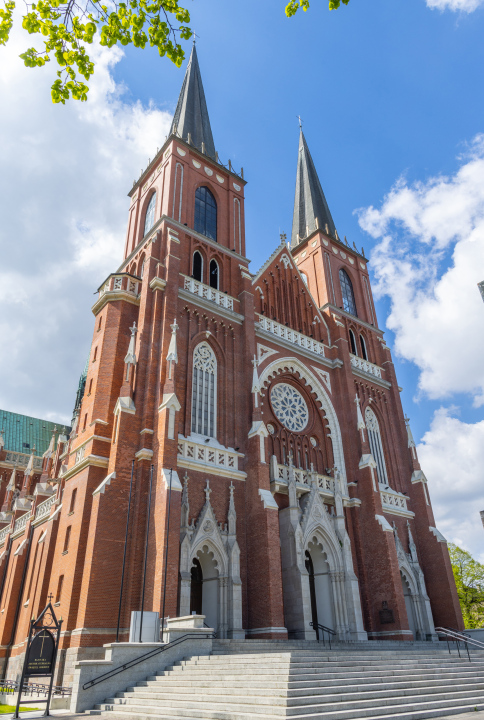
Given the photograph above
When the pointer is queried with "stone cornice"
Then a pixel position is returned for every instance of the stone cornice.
(94, 460)
(113, 296)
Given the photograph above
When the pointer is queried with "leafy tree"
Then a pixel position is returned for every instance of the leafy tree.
(68, 27)
(469, 579)
(293, 6)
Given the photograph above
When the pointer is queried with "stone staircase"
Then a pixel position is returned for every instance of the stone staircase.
(262, 680)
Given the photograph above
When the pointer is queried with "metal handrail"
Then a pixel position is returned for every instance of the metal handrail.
(317, 627)
(145, 656)
(459, 637)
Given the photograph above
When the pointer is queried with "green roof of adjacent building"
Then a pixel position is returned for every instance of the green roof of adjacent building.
(22, 432)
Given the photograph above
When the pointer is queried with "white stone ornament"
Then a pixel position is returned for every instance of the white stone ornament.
(289, 407)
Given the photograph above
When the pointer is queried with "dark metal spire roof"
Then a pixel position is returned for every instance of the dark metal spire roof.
(191, 114)
(309, 203)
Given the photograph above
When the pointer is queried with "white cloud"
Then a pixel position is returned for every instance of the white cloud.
(452, 455)
(66, 171)
(428, 261)
(467, 6)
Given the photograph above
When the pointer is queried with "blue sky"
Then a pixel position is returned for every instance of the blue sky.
(384, 88)
(390, 93)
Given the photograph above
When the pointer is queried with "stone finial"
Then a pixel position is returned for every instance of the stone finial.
(11, 485)
(207, 492)
(360, 423)
(172, 356)
(50, 450)
(411, 441)
(130, 358)
(29, 470)
(256, 388)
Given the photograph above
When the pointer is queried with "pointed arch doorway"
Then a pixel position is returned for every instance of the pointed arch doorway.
(320, 587)
(204, 587)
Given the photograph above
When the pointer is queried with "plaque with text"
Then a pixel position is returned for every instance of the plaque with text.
(386, 616)
(41, 654)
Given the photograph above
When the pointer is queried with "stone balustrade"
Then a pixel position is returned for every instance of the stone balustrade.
(303, 477)
(365, 366)
(20, 523)
(210, 457)
(394, 502)
(43, 508)
(120, 283)
(22, 459)
(292, 336)
(4, 533)
(208, 293)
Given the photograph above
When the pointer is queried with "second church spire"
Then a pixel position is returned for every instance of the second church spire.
(191, 114)
(311, 210)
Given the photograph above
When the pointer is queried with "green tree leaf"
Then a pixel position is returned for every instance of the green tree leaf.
(469, 580)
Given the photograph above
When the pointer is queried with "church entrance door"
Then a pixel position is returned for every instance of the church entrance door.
(320, 586)
(312, 592)
(204, 587)
(196, 588)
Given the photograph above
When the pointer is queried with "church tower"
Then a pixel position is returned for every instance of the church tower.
(254, 420)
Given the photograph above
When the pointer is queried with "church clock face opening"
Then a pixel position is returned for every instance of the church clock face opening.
(289, 407)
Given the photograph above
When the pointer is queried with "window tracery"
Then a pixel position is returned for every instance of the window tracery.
(205, 213)
(376, 445)
(204, 391)
(150, 214)
(347, 292)
(289, 407)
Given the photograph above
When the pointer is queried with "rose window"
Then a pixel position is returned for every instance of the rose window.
(289, 407)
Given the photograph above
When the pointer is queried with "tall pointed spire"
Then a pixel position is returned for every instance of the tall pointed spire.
(311, 210)
(191, 114)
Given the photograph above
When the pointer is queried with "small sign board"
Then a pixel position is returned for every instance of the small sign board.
(386, 616)
(41, 653)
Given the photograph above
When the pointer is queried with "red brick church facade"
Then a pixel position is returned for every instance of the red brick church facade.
(269, 399)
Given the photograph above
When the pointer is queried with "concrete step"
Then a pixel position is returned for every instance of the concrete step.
(405, 711)
(318, 681)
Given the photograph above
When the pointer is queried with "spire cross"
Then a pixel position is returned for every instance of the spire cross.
(300, 121)
(283, 237)
(50, 597)
(195, 36)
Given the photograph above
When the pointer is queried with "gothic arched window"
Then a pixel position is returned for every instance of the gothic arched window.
(214, 274)
(376, 445)
(364, 354)
(353, 343)
(197, 267)
(205, 213)
(347, 292)
(204, 391)
(150, 214)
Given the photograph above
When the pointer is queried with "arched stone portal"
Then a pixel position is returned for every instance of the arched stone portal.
(326, 586)
(210, 581)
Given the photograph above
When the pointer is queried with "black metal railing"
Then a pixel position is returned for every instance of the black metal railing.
(146, 656)
(214, 634)
(12, 686)
(459, 637)
(323, 630)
